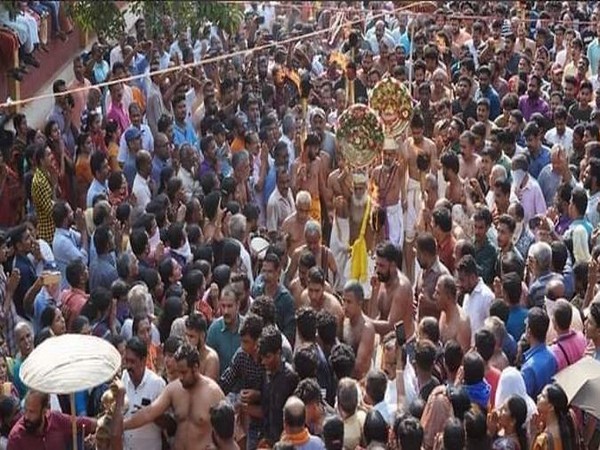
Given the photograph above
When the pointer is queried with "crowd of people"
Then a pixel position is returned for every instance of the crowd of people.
(262, 290)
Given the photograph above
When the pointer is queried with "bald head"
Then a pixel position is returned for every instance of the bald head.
(303, 199)
(446, 287)
(294, 414)
(555, 289)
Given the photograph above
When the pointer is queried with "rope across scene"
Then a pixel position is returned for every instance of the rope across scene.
(201, 63)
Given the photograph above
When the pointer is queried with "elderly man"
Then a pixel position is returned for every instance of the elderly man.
(540, 270)
(361, 237)
(324, 256)
(280, 205)
(238, 231)
(555, 173)
(293, 225)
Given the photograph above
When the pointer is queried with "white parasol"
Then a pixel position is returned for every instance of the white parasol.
(70, 363)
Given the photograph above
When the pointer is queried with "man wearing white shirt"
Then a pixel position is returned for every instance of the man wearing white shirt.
(116, 54)
(100, 170)
(288, 135)
(561, 133)
(238, 232)
(188, 166)
(477, 296)
(142, 387)
(135, 116)
(141, 183)
(281, 202)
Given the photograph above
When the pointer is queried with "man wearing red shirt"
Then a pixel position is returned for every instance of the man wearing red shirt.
(41, 428)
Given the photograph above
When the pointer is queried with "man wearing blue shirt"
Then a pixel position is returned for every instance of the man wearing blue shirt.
(517, 314)
(68, 245)
(183, 131)
(538, 154)
(487, 91)
(100, 169)
(224, 333)
(539, 364)
(103, 270)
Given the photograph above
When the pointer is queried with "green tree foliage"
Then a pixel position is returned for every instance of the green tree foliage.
(108, 17)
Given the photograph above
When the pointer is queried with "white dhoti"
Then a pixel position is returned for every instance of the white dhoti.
(338, 244)
(395, 224)
(441, 184)
(411, 215)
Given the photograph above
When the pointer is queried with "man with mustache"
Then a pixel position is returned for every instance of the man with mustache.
(421, 158)
(388, 188)
(191, 398)
(307, 174)
(39, 427)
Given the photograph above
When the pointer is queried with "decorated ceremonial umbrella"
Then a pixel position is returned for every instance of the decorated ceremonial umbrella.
(70, 363)
(360, 136)
(392, 101)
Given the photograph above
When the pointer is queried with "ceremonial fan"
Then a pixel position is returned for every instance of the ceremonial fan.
(70, 363)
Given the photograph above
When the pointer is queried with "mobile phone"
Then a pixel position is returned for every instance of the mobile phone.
(400, 334)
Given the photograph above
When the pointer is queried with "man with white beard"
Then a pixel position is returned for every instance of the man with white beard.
(351, 216)
(361, 265)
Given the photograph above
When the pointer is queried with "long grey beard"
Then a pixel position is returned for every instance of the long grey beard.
(357, 208)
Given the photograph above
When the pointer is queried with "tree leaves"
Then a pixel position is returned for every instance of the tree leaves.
(106, 16)
(99, 16)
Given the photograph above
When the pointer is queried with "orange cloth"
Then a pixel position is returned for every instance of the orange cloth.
(237, 145)
(113, 153)
(138, 97)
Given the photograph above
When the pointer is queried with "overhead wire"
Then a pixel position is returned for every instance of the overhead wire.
(210, 60)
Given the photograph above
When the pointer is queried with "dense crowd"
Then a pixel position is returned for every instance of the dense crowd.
(264, 291)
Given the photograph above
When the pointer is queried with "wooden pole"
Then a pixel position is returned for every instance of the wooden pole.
(74, 420)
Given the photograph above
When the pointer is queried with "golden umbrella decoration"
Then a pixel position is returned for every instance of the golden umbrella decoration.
(68, 364)
(360, 136)
(393, 103)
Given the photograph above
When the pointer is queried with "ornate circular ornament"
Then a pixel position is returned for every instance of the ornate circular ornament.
(360, 136)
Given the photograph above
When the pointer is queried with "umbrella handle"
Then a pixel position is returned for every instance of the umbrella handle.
(74, 420)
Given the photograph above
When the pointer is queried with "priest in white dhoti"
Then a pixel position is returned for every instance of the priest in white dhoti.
(361, 265)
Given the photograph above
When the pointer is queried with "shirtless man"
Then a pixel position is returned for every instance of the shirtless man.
(293, 226)
(395, 294)
(420, 156)
(388, 188)
(430, 198)
(307, 174)
(470, 162)
(455, 187)
(318, 298)
(195, 335)
(358, 330)
(454, 322)
(324, 256)
(191, 398)
(298, 285)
